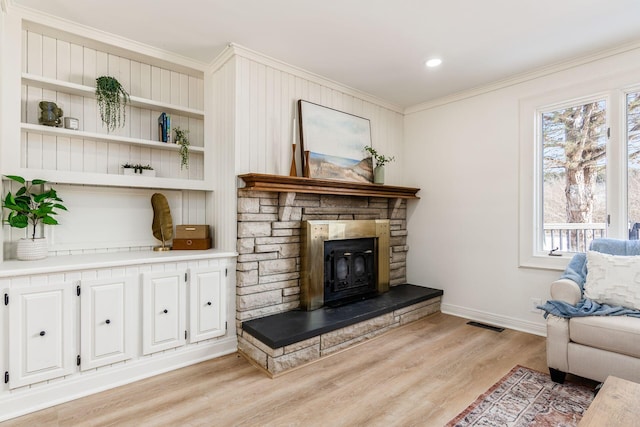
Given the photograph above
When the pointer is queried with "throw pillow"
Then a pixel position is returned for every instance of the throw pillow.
(613, 279)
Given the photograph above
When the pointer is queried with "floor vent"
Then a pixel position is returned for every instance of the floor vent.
(485, 326)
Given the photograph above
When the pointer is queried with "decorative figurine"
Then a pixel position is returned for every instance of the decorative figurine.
(50, 114)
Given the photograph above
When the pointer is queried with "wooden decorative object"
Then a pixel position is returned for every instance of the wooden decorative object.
(306, 164)
(294, 169)
(162, 225)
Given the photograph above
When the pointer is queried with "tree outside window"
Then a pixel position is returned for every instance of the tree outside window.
(633, 163)
(574, 141)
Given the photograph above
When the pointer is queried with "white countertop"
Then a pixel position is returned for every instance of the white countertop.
(105, 260)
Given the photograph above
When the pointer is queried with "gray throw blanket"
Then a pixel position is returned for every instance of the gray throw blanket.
(577, 271)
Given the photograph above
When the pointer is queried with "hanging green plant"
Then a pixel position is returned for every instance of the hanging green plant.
(183, 141)
(112, 99)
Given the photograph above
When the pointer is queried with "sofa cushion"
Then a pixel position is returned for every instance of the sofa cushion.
(613, 280)
(620, 334)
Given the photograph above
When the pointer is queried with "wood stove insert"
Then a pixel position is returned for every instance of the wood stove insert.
(333, 270)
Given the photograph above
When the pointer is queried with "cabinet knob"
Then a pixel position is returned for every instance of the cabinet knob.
(165, 311)
(107, 321)
(42, 333)
(208, 302)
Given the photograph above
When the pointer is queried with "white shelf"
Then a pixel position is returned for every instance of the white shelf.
(111, 180)
(89, 91)
(55, 131)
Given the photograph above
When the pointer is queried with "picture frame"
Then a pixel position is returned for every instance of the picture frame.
(332, 144)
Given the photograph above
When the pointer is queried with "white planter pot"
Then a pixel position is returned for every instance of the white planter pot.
(32, 249)
(146, 172)
(128, 171)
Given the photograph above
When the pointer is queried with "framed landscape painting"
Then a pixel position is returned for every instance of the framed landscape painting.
(332, 144)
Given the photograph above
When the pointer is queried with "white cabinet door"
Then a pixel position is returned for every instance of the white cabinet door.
(207, 314)
(107, 321)
(163, 311)
(41, 333)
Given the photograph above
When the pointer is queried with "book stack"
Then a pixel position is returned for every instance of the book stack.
(164, 127)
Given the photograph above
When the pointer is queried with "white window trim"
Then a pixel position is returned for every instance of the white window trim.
(530, 183)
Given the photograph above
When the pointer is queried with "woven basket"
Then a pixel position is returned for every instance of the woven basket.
(32, 249)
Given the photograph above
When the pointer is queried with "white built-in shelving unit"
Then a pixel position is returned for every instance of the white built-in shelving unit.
(63, 70)
(60, 63)
(106, 308)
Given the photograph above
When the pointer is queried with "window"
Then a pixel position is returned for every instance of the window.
(573, 139)
(633, 163)
(579, 170)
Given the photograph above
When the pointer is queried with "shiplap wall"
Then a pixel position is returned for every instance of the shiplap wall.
(47, 55)
(267, 93)
(221, 124)
(253, 104)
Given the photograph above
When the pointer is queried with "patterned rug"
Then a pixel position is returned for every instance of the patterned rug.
(525, 397)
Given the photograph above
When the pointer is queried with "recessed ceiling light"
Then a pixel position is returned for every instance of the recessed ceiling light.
(434, 62)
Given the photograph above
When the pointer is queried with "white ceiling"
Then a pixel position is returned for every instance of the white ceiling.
(376, 46)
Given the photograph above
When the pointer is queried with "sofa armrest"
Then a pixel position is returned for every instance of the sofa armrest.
(566, 290)
(558, 343)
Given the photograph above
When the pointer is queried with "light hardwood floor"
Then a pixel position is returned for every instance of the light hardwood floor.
(422, 374)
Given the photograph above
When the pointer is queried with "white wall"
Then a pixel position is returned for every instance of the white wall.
(463, 233)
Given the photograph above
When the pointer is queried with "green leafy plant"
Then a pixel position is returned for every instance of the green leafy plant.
(138, 168)
(380, 159)
(112, 101)
(30, 208)
(183, 141)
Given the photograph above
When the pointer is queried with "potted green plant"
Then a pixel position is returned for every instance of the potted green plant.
(28, 208)
(138, 169)
(129, 169)
(147, 170)
(112, 100)
(380, 160)
(183, 141)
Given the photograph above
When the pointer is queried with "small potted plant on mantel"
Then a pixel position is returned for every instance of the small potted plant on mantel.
(380, 160)
(28, 208)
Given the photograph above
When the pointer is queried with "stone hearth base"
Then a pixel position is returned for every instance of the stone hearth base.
(279, 360)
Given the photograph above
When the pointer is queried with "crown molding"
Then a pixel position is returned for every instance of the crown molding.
(234, 49)
(524, 77)
(222, 58)
(117, 43)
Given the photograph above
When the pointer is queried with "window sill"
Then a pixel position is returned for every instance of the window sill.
(546, 262)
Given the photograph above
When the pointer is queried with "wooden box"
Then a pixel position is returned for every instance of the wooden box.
(192, 232)
(192, 244)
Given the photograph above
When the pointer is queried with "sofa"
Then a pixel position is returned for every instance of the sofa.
(594, 346)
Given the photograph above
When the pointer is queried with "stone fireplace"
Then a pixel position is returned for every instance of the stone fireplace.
(270, 227)
(290, 230)
(343, 261)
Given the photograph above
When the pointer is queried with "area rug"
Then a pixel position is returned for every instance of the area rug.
(525, 397)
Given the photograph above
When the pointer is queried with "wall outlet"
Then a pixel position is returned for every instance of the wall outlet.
(535, 302)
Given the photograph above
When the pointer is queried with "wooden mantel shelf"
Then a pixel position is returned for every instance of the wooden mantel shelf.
(293, 184)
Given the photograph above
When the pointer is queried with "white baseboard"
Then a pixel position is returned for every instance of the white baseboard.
(25, 401)
(496, 320)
